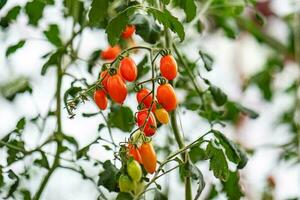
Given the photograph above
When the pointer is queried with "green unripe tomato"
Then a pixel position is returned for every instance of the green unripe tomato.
(126, 184)
(134, 170)
(139, 187)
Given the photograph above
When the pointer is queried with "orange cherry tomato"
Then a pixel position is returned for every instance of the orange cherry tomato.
(128, 69)
(168, 67)
(111, 52)
(144, 97)
(128, 32)
(162, 116)
(148, 127)
(104, 76)
(100, 99)
(148, 156)
(134, 153)
(116, 88)
(166, 97)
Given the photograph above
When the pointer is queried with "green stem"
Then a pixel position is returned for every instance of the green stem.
(178, 136)
(57, 135)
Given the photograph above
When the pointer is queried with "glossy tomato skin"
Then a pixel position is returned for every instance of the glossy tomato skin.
(134, 170)
(104, 76)
(168, 67)
(126, 184)
(143, 97)
(149, 157)
(128, 69)
(162, 116)
(150, 126)
(100, 99)
(133, 151)
(117, 88)
(111, 53)
(166, 96)
(128, 32)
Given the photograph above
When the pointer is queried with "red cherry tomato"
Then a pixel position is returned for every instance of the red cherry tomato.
(100, 99)
(133, 151)
(168, 67)
(166, 97)
(111, 53)
(149, 126)
(128, 69)
(104, 76)
(116, 88)
(148, 156)
(144, 97)
(128, 32)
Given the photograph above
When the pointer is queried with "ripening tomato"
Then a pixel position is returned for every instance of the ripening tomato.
(126, 184)
(149, 126)
(144, 97)
(128, 69)
(166, 97)
(128, 32)
(148, 157)
(100, 99)
(104, 76)
(111, 53)
(117, 88)
(133, 151)
(162, 115)
(134, 170)
(168, 67)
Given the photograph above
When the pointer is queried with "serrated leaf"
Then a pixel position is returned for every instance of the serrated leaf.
(121, 118)
(207, 60)
(13, 48)
(218, 95)
(98, 11)
(146, 27)
(232, 187)
(52, 34)
(168, 21)
(108, 178)
(217, 161)
(118, 24)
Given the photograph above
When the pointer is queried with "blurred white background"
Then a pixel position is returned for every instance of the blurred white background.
(233, 59)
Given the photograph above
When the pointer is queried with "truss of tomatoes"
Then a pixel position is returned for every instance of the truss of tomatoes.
(113, 83)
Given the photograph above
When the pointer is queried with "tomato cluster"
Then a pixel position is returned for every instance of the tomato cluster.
(153, 107)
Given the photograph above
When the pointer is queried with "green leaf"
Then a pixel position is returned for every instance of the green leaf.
(232, 187)
(230, 148)
(71, 140)
(43, 162)
(124, 196)
(83, 152)
(14, 87)
(197, 154)
(146, 27)
(52, 34)
(108, 178)
(121, 118)
(207, 60)
(218, 95)
(11, 15)
(14, 186)
(142, 67)
(247, 111)
(13, 48)
(26, 194)
(53, 60)
(1, 177)
(168, 21)
(93, 60)
(98, 11)
(218, 163)
(21, 124)
(2, 3)
(190, 9)
(15, 154)
(34, 10)
(118, 24)
(75, 9)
